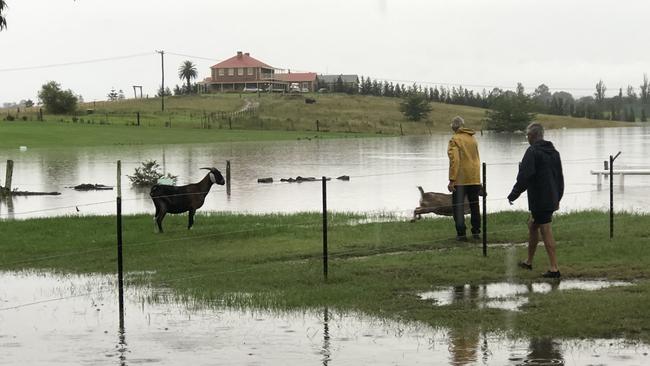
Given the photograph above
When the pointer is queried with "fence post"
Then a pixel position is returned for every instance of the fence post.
(401, 132)
(317, 126)
(325, 228)
(611, 194)
(120, 267)
(138, 114)
(228, 177)
(484, 210)
(230, 123)
(9, 174)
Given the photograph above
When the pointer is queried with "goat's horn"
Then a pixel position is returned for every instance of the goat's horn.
(206, 168)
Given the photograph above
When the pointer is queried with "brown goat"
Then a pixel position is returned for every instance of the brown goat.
(437, 203)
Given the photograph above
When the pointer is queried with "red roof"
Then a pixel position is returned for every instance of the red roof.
(241, 60)
(297, 76)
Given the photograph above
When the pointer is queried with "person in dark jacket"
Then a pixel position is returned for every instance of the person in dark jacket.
(540, 173)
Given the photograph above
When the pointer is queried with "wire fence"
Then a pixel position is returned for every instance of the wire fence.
(342, 251)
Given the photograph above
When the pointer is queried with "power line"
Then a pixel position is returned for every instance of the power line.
(76, 62)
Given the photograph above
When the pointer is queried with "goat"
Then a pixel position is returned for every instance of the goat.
(438, 203)
(310, 100)
(172, 199)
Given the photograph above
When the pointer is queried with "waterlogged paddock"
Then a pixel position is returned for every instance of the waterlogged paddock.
(509, 295)
(385, 173)
(50, 319)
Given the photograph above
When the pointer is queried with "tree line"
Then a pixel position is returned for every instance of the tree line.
(629, 106)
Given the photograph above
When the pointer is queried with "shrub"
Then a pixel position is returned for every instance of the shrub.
(148, 174)
(56, 100)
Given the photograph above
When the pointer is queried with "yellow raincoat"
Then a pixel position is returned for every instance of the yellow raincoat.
(464, 160)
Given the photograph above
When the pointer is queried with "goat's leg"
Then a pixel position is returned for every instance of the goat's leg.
(159, 219)
(191, 219)
(155, 216)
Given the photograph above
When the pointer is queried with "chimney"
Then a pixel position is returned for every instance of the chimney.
(239, 54)
(247, 54)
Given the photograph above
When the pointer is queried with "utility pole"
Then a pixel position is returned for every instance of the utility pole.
(162, 66)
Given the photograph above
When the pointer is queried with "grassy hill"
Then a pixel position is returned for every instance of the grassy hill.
(186, 118)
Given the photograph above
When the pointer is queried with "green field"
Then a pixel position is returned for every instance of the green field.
(274, 262)
(215, 118)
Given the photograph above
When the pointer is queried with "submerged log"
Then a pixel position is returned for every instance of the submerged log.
(91, 187)
(300, 179)
(5, 192)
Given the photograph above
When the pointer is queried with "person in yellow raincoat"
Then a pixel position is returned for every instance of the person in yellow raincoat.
(464, 177)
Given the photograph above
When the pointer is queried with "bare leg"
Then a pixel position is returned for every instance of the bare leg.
(549, 244)
(533, 239)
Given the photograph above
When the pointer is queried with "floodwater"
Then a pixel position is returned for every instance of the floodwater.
(509, 295)
(384, 173)
(50, 319)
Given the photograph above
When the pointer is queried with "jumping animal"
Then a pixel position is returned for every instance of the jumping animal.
(437, 203)
(172, 199)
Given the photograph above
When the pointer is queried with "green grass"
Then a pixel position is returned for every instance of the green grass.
(377, 268)
(209, 118)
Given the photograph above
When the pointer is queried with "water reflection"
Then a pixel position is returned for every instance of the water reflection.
(75, 326)
(384, 172)
(7, 202)
(326, 338)
(508, 295)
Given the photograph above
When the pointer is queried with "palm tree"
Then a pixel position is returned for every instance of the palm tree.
(3, 21)
(187, 71)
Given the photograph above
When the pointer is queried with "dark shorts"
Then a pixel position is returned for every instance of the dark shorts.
(542, 217)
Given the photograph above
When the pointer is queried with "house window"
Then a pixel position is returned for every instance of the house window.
(250, 71)
(231, 72)
(222, 72)
(240, 71)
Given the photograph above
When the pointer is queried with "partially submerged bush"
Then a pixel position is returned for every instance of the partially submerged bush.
(148, 174)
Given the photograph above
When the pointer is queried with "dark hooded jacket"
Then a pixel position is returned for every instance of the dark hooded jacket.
(540, 172)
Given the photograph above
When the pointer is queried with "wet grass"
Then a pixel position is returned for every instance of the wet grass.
(275, 261)
(185, 120)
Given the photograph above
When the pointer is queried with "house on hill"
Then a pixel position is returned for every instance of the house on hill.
(243, 72)
(347, 82)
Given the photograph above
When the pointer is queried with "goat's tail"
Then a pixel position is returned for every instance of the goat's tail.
(421, 191)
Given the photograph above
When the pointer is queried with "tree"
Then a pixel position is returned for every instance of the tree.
(187, 71)
(644, 89)
(3, 20)
(643, 116)
(600, 92)
(120, 95)
(415, 107)
(29, 103)
(542, 97)
(167, 92)
(56, 100)
(112, 95)
(510, 112)
(631, 94)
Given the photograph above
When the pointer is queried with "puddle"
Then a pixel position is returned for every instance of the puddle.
(509, 296)
(48, 319)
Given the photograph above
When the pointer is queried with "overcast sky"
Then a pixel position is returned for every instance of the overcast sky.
(566, 44)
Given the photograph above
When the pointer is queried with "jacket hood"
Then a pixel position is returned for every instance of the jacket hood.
(468, 131)
(544, 146)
